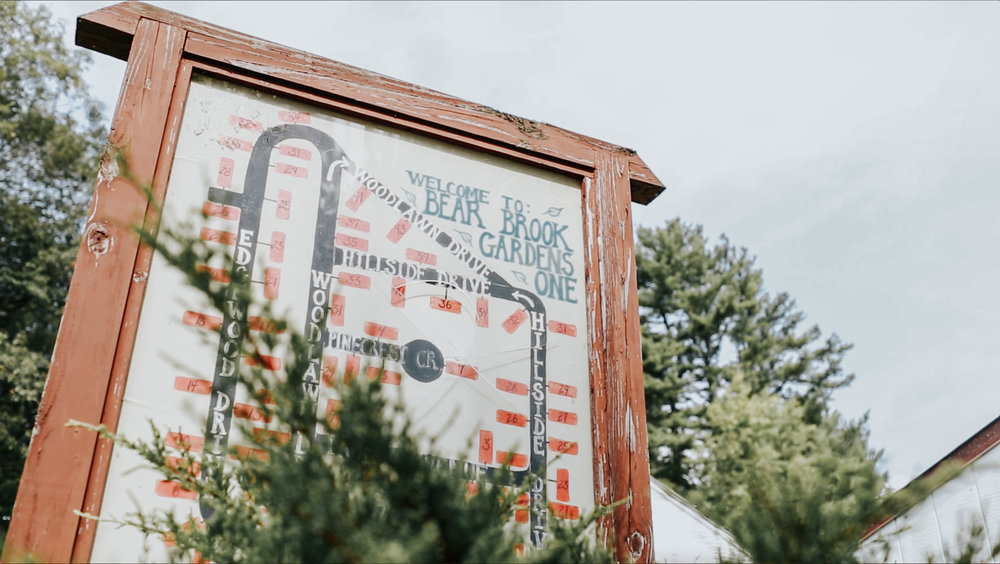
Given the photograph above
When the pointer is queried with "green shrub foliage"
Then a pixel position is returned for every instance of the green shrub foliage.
(790, 491)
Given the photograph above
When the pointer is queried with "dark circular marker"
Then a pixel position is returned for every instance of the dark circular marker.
(422, 360)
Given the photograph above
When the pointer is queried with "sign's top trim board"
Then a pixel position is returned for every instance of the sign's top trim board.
(110, 31)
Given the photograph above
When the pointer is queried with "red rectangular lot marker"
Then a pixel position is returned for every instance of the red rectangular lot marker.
(450, 306)
(277, 247)
(562, 484)
(179, 463)
(482, 312)
(217, 236)
(235, 143)
(356, 243)
(182, 441)
(219, 210)
(398, 230)
(463, 370)
(337, 309)
(284, 210)
(225, 176)
(485, 447)
(296, 152)
(381, 331)
(260, 435)
(565, 447)
(567, 329)
(354, 223)
(564, 511)
(514, 321)
(291, 170)
(515, 459)
(171, 488)
(193, 385)
(564, 417)
(355, 280)
(358, 198)
(247, 411)
(511, 387)
(272, 280)
(397, 295)
(511, 418)
(245, 123)
(562, 389)
(423, 257)
(202, 320)
(329, 370)
(294, 117)
(267, 362)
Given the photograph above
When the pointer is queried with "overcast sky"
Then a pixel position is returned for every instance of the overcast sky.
(854, 148)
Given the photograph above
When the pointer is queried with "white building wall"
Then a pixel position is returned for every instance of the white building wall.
(682, 534)
(936, 529)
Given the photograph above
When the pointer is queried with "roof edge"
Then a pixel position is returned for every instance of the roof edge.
(961, 456)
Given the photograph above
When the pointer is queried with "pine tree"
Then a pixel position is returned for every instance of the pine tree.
(789, 490)
(705, 319)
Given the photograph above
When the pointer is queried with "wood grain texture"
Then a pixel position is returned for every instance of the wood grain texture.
(106, 30)
(595, 335)
(621, 466)
(171, 38)
(59, 462)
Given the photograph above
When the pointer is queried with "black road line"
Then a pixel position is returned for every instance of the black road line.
(234, 325)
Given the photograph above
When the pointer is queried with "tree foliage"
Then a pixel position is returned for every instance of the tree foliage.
(790, 491)
(737, 400)
(49, 148)
(705, 319)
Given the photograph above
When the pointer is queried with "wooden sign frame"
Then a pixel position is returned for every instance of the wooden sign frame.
(67, 468)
